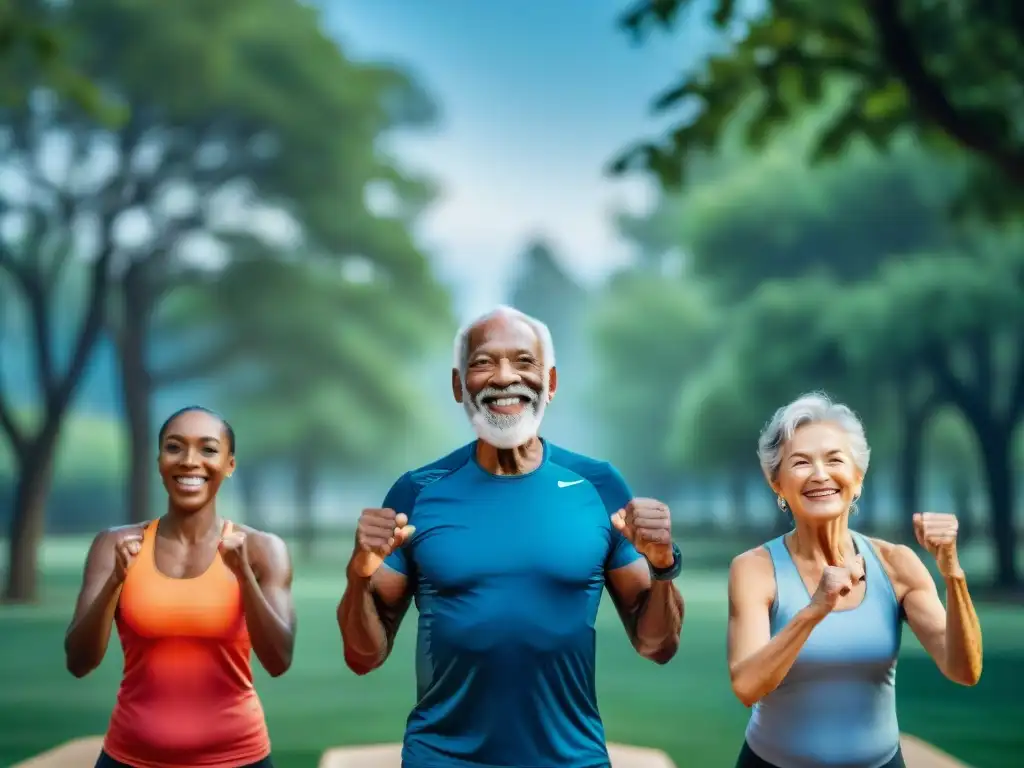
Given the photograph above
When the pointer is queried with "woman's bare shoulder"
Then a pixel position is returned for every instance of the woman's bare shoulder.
(752, 573)
(111, 536)
(891, 555)
(900, 562)
(755, 559)
(263, 541)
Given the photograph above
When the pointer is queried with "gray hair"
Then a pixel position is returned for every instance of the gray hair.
(461, 347)
(812, 408)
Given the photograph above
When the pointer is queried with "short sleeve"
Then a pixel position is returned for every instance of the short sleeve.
(616, 494)
(402, 499)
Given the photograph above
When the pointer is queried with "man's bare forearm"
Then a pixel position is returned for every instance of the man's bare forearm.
(659, 623)
(363, 631)
(963, 634)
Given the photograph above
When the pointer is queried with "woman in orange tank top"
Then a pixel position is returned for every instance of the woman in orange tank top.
(192, 595)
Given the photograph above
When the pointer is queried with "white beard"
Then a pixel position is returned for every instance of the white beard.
(506, 431)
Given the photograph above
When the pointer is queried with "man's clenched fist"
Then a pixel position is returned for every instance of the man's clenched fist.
(379, 533)
(647, 523)
(127, 546)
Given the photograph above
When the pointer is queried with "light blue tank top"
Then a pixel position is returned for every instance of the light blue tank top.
(836, 708)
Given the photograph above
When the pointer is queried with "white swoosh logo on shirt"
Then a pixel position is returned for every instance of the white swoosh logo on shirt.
(567, 483)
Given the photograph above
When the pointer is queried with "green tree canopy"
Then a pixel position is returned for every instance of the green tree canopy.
(714, 428)
(770, 216)
(320, 367)
(285, 117)
(651, 333)
(778, 266)
(34, 43)
(923, 333)
(233, 111)
(322, 357)
(911, 65)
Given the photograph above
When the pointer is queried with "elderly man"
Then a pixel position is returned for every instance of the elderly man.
(506, 545)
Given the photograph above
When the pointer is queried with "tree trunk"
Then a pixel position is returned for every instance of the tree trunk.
(994, 432)
(35, 456)
(909, 482)
(305, 492)
(960, 496)
(911, 457)
(137, 392)
(28, 516)
(997, 449)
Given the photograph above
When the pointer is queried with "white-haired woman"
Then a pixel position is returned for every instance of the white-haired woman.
(815, 616)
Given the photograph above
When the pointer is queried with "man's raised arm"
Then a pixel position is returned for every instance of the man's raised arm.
(377, 598)
(649, 604)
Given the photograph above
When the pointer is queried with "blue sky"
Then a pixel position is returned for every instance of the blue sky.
(536, 96)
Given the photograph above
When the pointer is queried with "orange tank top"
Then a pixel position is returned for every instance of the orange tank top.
(187, 697)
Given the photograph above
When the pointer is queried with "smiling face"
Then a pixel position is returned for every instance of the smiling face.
(195, 456)
(817, 475)
(507, 385)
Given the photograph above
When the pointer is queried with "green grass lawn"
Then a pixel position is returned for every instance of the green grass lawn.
(685, 708)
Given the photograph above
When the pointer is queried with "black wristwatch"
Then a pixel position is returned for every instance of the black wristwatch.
(672, 571)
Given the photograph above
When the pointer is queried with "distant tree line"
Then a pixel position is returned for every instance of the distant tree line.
(220, 200)
(841, 211)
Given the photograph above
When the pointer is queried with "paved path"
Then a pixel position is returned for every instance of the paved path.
(389, 756)
(82, 753)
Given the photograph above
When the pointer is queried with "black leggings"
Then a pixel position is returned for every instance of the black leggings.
(748, 759)
(106, 761)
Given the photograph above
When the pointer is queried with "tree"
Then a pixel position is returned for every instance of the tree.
(545, 290)
(746, 242)
(650, 334)
(715, 428)
(959, 319)
(928, 332)
(296, 92)
(316, 363)
(843, 220)
(954, 457)
(906, 394)
(911, 65)
(267, 114)
(799, 335)
(839, 223)
(32, 267)
(34, 42)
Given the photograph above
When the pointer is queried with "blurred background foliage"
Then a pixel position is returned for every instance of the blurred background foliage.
(202, 202)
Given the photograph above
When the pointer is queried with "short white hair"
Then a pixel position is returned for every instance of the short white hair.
(812, 408)
(461, 350)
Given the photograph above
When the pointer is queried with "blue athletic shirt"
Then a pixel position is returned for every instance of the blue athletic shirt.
(507, 574)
